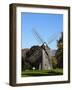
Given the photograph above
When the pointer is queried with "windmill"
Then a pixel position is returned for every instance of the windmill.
(46, 63)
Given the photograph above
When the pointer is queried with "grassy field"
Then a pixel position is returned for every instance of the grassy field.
(52, 72)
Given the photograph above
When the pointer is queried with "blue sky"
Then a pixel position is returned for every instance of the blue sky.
(49, 26)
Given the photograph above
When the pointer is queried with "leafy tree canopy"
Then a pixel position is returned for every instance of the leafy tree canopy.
(59, 52)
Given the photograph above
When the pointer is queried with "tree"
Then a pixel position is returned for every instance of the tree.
(59, 52)
(25, 65)
(33, 56)
(54, 61)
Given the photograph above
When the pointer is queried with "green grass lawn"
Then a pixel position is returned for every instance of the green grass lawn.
(42, 72)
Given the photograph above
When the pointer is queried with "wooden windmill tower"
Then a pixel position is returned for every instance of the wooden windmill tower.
(46, 63)
(46, 57)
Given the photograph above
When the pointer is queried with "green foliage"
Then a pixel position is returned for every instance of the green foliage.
(34, 56)
(25, 65)
(59, 52)
(54, 62)
(32, 59)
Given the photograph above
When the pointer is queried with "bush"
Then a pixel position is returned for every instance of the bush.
(54, 62)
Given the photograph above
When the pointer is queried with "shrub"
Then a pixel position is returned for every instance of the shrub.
(54, 62)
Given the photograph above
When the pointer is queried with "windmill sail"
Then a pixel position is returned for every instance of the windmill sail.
(38, 37)
(52, 38)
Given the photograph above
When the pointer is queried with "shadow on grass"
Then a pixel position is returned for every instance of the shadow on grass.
(49, 73)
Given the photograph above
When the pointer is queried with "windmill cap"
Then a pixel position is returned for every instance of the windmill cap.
(45, 44)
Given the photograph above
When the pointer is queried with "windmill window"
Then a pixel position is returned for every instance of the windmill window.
(45, 64)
